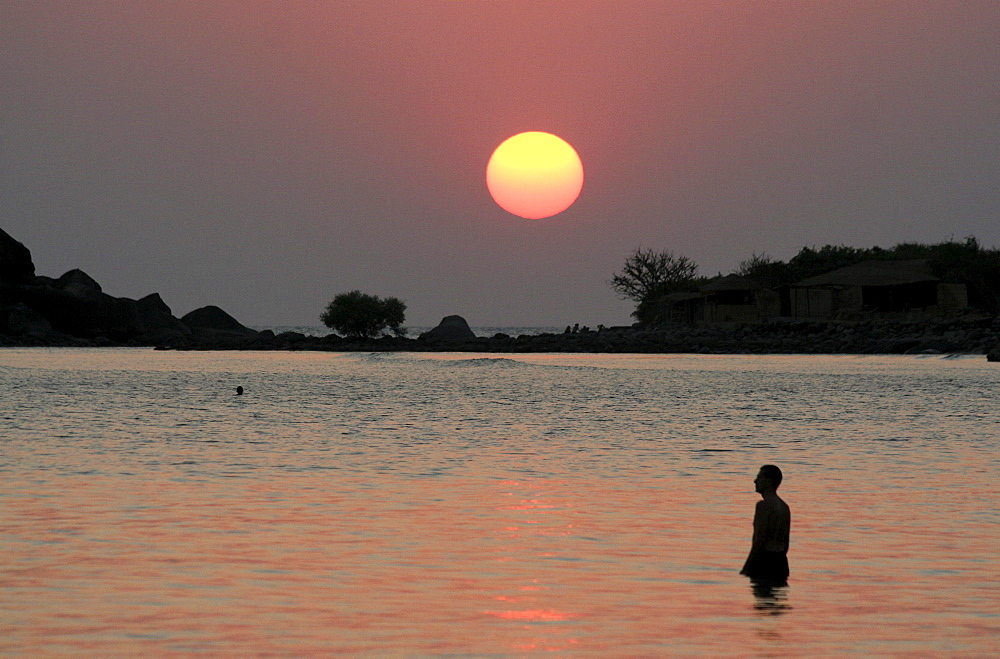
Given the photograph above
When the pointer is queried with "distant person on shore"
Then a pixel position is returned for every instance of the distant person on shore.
(239, 391)
(772, 520)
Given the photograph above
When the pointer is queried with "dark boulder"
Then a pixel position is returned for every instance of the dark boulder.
(153, 305)
(18, 319)
(452, 329)
(214, 318)
(158, 324)
(212, 324)
(82, 311)
(74, 309)
(16, 266)
(94, 312)
(78, 282)
(75, 306)
(59, 308)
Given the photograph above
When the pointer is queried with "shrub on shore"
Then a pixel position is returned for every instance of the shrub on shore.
(359, 315)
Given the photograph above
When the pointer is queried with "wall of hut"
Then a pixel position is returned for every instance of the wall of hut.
(915, 300)
(952, 297)
(742, 306)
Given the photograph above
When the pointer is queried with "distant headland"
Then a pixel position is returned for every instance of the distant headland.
(719, 318)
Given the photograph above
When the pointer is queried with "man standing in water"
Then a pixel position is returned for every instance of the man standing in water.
(768, 559)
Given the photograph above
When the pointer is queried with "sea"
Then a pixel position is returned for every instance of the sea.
(461, 504)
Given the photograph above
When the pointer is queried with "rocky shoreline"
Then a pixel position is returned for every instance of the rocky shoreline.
(973, 336)
(945, 337)
(212, 329)
(74, 311)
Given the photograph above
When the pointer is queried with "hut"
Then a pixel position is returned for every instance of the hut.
(890, 288)
(736, 299)
(683, 308)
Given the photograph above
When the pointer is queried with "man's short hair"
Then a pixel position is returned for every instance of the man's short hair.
(772, 473)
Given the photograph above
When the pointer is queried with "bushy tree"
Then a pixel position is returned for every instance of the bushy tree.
(649, 274)
(764, 271)
(810, 261)
(364, 316)
(972, 264)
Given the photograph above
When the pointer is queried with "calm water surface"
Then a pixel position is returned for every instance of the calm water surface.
(473, 504)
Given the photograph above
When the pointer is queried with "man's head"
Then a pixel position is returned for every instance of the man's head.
(769, 477)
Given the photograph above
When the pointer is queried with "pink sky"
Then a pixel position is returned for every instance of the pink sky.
(267, 156)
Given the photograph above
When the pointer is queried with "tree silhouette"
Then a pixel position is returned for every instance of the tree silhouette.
(359, 315)
(649, 274)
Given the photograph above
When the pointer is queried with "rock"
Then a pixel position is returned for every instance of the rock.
(95, 312)
(78, 280)
(153, 305)
(74, 310)
(214, 325)
(16, 266)
(156, 319)
(452, 329)
(21, 319)
(993, 355)
(82, 311)
(214, 318)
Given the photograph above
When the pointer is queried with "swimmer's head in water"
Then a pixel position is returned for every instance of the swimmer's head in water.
(239, 391)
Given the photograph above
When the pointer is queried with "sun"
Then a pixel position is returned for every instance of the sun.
(534, 175)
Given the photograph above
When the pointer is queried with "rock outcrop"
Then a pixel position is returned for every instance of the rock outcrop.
(16, 266)
(212, 324)
(19, 319)
(158, 323)
(79, 283)
(451, 329)
(214, 319)
(75, 310)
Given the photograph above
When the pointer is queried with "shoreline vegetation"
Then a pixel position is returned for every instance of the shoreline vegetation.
(73, 311)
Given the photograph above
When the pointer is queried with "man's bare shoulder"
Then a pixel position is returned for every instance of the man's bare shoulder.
(773, 504)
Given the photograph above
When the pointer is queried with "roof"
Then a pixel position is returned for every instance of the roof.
(684, 295)
(874, 273)
(730, 283)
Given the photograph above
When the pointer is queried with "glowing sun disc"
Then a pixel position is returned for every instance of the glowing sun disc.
(534, 175)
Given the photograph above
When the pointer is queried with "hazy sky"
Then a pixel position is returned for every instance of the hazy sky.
(265, 156)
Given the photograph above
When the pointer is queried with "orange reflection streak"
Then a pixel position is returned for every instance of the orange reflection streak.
(532, 520)
(531, 615)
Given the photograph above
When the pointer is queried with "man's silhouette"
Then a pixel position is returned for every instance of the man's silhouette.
(768, 559)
